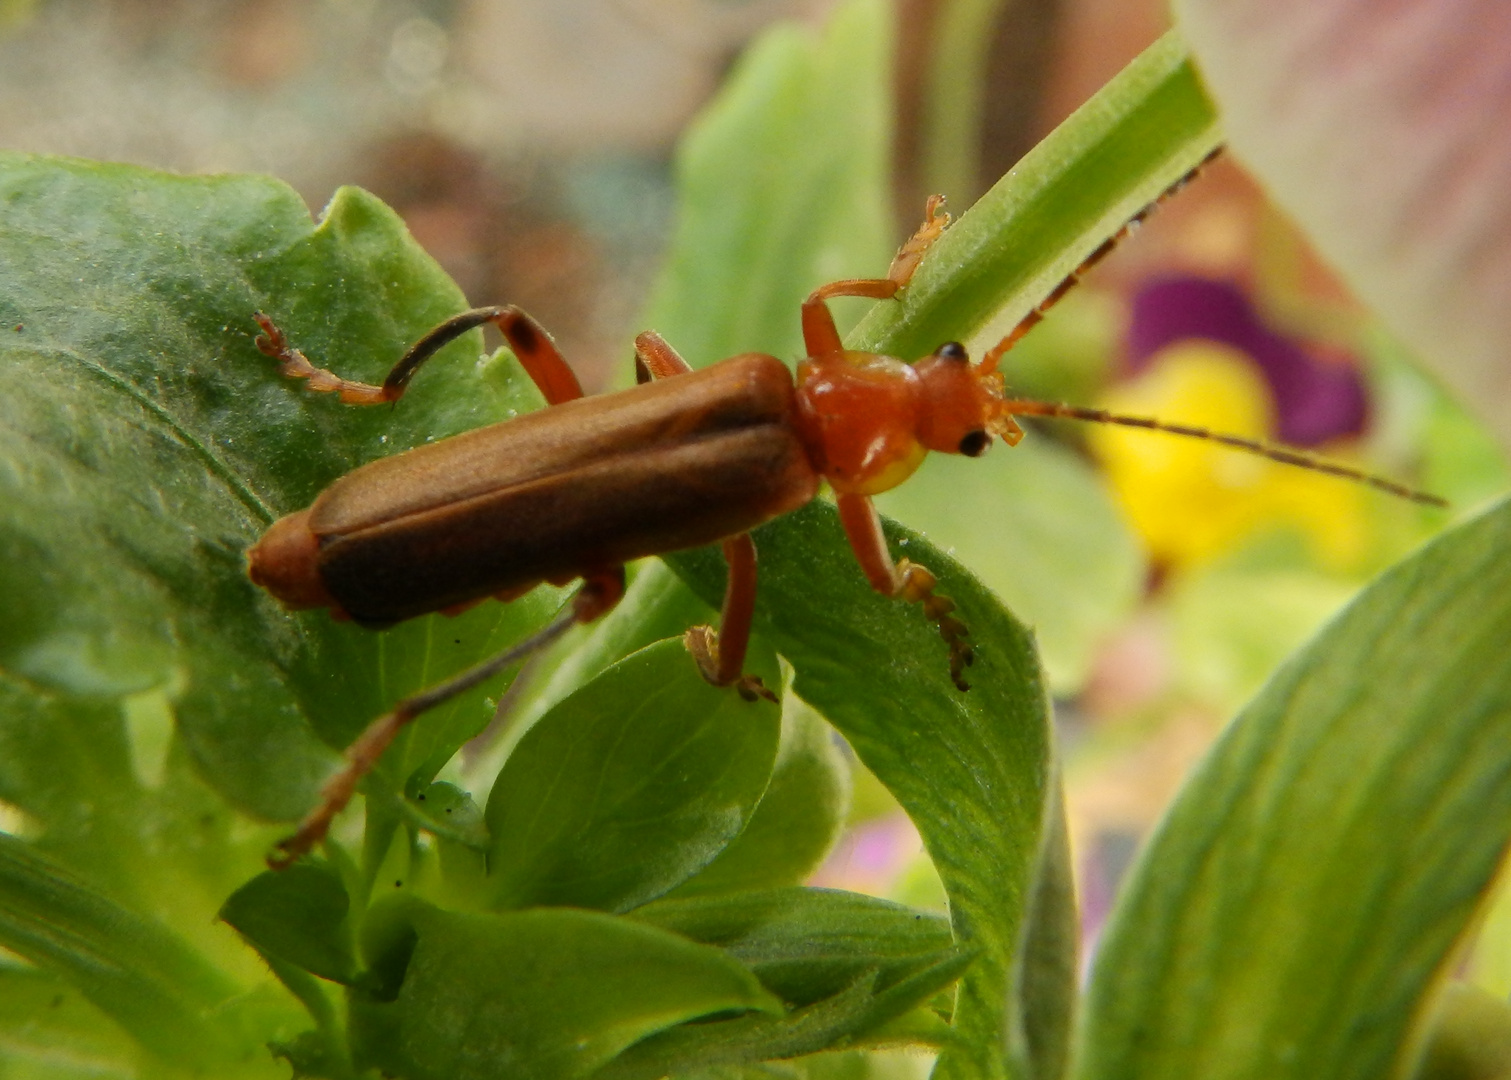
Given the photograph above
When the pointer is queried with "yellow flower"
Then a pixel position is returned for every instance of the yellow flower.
(1192, 500)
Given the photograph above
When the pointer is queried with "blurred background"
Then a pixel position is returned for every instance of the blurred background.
(529, 146)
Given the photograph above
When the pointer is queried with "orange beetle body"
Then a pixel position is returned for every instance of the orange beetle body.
(684, 459)
(596, 481)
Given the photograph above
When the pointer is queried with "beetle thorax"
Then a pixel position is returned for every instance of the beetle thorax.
(859, 417)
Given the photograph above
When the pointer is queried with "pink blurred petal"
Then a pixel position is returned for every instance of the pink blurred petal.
(871, 858)
(1384, 128)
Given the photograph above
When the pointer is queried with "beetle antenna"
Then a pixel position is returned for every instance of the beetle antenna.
(991, 357)
(1286, 455)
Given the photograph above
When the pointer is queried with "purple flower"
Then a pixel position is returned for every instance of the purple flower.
(1315, 400)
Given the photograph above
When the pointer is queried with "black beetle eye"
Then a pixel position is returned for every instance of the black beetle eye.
(975, 443)
(952, 350)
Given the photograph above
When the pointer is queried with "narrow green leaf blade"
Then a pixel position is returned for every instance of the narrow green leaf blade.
(1312, 880)
(1116, 154)
(843, 1019)
(1046, 969)
(970, 768)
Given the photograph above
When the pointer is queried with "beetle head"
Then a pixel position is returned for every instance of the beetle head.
(961, 406)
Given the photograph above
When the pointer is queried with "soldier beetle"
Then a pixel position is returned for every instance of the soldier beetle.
(686, 458)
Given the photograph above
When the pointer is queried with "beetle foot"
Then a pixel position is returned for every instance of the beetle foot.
(361, 757)
(917, 586)
(703, 643)
(935, 221)
(294, 364)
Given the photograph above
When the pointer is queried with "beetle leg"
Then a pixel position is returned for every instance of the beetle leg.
(820, 336)
(538, 355)
(903, 579)
(527, 339)
(721, 653)
(534, 348)
(655, 359)
(600, 591)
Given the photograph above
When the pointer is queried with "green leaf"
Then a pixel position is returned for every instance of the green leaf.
(547, 994)
(970, 768)
(798, 819)
(630, 786)
(150, 444)
(1038, 527)
(808, 944)
(298, 915)
(131, 968)
(861, 1008)
(656, 605)
(1313, 879)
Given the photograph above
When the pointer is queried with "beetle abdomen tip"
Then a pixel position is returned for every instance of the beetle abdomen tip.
(285, 562)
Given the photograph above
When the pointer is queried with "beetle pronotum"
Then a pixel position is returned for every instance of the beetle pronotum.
(684, 459)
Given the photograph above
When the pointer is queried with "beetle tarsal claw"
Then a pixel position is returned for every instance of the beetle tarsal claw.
(917, 586)
(935, 221)
(917, 582)
(703, 643)
(751, 688)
